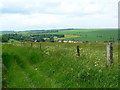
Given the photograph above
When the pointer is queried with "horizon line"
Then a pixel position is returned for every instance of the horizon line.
(56, 29)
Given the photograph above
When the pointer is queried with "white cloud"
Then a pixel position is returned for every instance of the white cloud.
(46, 14)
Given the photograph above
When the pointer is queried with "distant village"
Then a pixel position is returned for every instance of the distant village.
(68, 41)
(38, 38)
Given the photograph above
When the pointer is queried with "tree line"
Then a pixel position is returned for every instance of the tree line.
(31, 38)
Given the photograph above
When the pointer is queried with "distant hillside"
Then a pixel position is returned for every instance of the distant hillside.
(47, 30)
(7, 32)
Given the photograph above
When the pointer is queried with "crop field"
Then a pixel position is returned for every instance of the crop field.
(56, 65)
(92, 35)
(67, 37)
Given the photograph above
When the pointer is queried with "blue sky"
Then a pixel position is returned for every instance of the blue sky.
(53, 14)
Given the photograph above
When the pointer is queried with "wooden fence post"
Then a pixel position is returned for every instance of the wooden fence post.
(78, 51)
(31, 44)
(40, 45)
(109, 54)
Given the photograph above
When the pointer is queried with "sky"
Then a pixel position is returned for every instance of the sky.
(57, 14)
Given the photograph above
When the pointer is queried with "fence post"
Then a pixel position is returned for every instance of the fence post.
(78, 51)
(109, 54)
(40, 45)
(31, 44)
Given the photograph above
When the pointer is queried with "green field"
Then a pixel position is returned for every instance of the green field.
(56, 65)
(92, 35)
(85, 35)
(12, 40)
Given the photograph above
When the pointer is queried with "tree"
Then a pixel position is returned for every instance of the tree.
(5, 38)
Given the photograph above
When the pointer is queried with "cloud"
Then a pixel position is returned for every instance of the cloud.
(19, 21)
(27, 6)
(53, 6)
(46, 14)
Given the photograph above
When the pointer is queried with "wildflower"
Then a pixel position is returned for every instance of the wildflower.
(36, 68)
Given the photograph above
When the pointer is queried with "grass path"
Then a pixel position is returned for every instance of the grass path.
(38, 78)
(26, 75)
(19, 79)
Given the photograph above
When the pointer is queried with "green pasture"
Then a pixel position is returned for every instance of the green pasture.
(56, 65)
(101, 35)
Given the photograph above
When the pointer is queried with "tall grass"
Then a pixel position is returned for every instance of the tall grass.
(57, 65)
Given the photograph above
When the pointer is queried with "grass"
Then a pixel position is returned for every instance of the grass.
(57, 65)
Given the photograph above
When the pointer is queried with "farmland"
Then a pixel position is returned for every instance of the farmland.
(56, 65)
(33, 59)
(84, 35)
(89, 35)
(92, 35)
